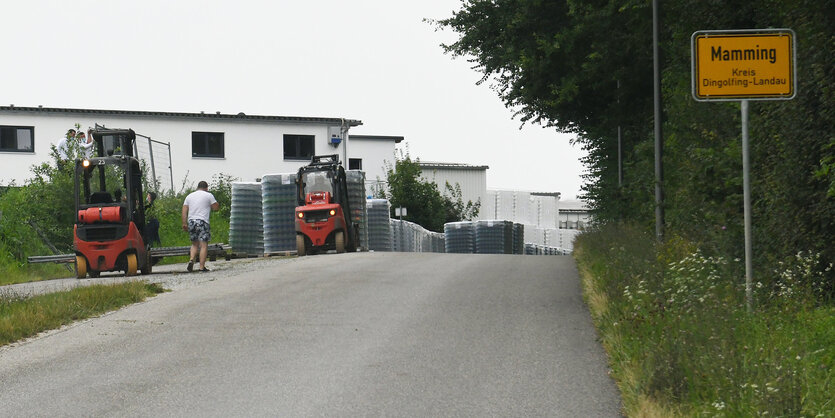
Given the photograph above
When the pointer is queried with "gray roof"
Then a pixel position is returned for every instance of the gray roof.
(573, 206)
(451, 166)
(182, 115)
(396, 139)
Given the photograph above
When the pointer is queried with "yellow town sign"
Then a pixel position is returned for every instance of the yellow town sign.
(735, 65)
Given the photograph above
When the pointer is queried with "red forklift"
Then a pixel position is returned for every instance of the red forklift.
(322, 215)
(110, 206)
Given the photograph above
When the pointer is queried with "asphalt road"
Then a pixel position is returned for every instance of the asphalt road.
(370, 334)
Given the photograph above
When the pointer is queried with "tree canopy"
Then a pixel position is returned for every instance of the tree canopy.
(585, 67)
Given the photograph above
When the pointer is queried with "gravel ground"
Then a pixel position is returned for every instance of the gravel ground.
(169, 276)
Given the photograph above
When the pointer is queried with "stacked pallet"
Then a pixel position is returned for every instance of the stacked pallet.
(536, 249)
(246, 226)
(379, 228)
(518, 238)
(459, 237)
(279, 206)
(356, 200)
(432, 242)
(494, 237)
(403, 236)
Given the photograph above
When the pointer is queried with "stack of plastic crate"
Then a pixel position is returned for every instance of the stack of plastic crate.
(494, 237)
(379, 228)
(279, 206)
(518, 238)
(530, 249)
(356, 200)
(246, 226)
(459, 237)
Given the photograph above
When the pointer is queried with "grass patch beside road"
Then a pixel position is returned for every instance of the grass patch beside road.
(22, 318)
(680, 340)
(12, 272)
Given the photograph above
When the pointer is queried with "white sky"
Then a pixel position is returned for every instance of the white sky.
(372, 60)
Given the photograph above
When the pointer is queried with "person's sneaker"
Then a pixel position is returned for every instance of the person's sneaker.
(190, 266)
(205, 269)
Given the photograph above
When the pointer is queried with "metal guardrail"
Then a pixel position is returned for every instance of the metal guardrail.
(215, 251)
(57, 258)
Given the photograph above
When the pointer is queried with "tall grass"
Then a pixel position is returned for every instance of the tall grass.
(25, 317)
(681, 343)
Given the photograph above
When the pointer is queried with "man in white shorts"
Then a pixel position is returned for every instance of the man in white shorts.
(196, 210)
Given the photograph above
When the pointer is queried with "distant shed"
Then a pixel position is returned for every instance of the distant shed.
(471, 178)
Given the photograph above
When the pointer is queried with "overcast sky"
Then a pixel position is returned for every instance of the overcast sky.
(372, 60)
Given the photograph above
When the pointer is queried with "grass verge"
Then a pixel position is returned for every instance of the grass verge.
(680, 340)
(13, 273)
(22, 318)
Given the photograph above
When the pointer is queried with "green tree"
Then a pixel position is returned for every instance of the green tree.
(424, 203)
(456, 209)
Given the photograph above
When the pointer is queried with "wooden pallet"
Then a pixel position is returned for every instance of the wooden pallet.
(281, 253)
(245, 255)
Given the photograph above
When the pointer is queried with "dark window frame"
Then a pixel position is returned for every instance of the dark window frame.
(298, 151)
(351, 165)
(17, 148)
(201, 147)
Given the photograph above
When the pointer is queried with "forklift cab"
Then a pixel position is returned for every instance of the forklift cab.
(110, 182)
(323, 174)
(110, 142)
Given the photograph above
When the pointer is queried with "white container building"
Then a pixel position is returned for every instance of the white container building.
(471, 178)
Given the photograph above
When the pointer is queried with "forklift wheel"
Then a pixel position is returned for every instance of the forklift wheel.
(94, 274)
(80, 267)
(131, 269)
(339, 240)
(300, 245)
(148, 263)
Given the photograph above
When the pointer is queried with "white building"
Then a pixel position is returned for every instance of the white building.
(374, 153)
(471, 178)
(574, 214)
(194, 146)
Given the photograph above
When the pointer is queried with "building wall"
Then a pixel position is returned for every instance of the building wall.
(375, 155)
(251, 148)
(473, 181)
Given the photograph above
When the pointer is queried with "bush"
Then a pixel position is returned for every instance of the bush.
(675, 324)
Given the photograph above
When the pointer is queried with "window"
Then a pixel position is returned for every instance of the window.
(298, 147)
(355, 164)
(17, 138)
(207, 144)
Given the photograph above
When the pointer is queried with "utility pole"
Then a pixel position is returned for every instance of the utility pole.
(659, 142)
(620, 147)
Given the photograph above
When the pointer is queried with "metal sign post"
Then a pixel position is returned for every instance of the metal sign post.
(756, 64)
(746, 202)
